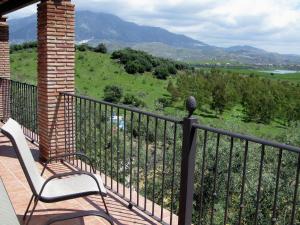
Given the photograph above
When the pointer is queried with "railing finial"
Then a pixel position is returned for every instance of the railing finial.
(191, 105)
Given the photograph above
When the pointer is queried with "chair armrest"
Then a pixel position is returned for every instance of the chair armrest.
(63, 156)
(57, 176)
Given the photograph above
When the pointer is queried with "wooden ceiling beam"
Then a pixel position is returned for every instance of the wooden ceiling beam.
(8, 6)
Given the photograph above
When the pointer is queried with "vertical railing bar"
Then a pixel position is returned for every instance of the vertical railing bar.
(32, 113)
(154, 166)
(261, 166)
(131, 157)
(77, 120)
(80, 126)
(138, 160)
(173, 173)
(295, 192)
(202, 177)
(68, 125)
(36, 114)
(90, 134)
(118, 146)
(124, 152)
(163, 171)
(27, 106)
(146, 164)
(65, 119)
(111, 146)
(228, 181)
(85, 132)
(243, 182)
(95, 132)
(214, 194)
(100, 138)
(105, 144)
(274, 213)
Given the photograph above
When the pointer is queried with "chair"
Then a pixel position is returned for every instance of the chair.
(58, 187)
(7, 212)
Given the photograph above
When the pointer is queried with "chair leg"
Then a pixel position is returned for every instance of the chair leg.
(34, 206)
(29, 204)
(104, 204)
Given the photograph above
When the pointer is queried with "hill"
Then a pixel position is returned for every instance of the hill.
(94, 71)
(116, 33)
(91, 78)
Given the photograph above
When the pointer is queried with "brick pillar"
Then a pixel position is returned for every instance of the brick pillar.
(56, 68)
(4, 68)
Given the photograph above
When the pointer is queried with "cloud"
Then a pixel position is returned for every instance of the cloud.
(270, 24)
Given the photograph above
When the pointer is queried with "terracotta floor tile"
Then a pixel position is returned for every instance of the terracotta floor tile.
(19, 193)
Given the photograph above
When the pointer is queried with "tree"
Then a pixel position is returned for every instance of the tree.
(101, 48)
(113, 93)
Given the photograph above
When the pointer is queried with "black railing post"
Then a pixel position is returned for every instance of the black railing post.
(187, 165)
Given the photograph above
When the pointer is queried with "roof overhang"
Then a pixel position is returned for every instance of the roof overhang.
(7, 6)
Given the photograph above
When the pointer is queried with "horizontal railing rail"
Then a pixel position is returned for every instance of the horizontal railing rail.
(20, 103)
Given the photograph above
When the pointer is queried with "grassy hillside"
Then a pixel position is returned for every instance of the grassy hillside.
(94, 71)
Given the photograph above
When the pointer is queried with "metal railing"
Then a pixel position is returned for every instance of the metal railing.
(136, 152)
(224, 177)
(20, 103)
(169, 167)
(237, 179)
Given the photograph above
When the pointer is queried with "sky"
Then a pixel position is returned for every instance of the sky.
(273, 25)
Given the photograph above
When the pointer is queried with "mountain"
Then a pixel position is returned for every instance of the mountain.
(116, 33)
(95, 27)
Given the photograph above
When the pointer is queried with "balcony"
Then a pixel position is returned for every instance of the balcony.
(156, 167)
(19, 193)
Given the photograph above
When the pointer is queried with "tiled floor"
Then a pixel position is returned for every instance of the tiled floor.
(19, 193)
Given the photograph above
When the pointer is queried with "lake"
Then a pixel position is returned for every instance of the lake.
(280, 71)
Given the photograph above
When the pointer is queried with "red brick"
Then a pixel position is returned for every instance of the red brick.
(4, 68)
(56, 62)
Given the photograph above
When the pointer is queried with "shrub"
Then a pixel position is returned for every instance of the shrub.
(130, 99)
(113, 93)
(101, 48)
(161, 72)
(133, 67)
(164, 102)
(84, 47)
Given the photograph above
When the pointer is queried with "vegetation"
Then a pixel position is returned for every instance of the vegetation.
(249, 104)
(24, 46)
(139, 62)
(224, 108)
(113, 93)
(262, 100)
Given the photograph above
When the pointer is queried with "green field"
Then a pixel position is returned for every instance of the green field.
(94, 71)
(293, 77)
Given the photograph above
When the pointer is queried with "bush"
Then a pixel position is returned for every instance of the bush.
(161, 72)
(130, 99)
(84, 47)
(164, 102)
(133, 67)
(101, 48)
(24, 46)
(113, 93)
(138, 61)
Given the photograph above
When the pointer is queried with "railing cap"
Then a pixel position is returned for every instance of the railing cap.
(191, 105)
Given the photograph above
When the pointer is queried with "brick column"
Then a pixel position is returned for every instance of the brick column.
(4, 68)
(56, 68)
